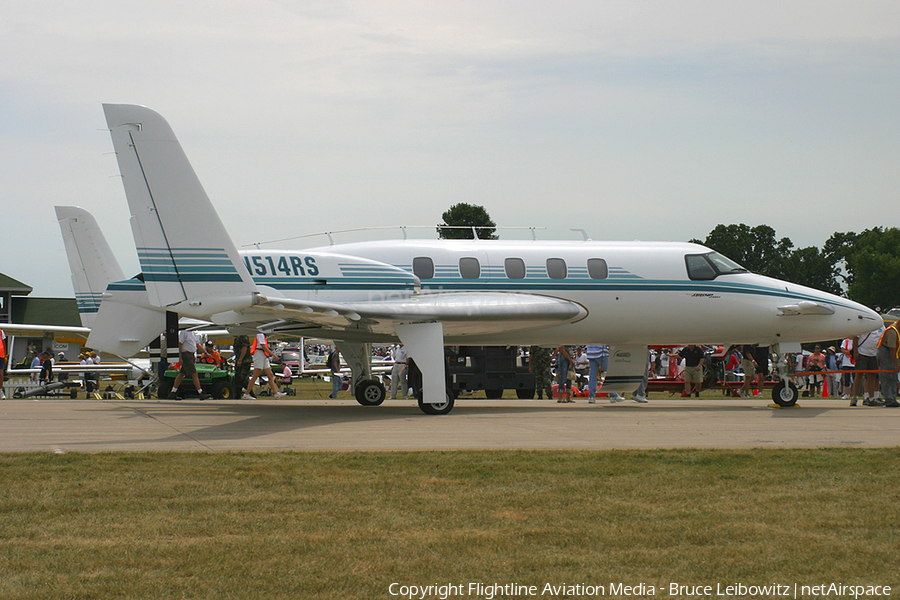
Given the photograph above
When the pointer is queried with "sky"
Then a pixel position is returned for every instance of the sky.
(630, 119)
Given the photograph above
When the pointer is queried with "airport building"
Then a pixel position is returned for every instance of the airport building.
(17, 307)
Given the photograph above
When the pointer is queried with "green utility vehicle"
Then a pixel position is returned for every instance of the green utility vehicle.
(215, 381)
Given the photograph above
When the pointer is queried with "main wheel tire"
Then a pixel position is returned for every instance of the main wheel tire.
(525, 394)
(163, 389)
(493, 394)
(221, 389)
(436, 409)
(785, 395)
(370, 392)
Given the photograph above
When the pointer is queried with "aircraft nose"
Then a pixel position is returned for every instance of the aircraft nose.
(864, 319)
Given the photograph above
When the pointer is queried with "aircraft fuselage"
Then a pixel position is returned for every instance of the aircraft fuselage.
(631, 292)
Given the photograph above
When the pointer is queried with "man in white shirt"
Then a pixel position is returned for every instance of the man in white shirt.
(398, 371)
(864, 354)
(187, 349)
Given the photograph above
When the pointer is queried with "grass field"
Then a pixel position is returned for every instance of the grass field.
(347, 525)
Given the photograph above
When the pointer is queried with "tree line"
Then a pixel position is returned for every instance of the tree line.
(864, 267)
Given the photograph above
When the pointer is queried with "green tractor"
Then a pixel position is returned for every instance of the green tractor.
(215, 381)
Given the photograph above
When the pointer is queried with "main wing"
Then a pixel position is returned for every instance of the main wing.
(461, 313)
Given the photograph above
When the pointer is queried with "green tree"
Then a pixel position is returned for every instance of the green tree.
(812, 268)
(466, 215)
(873, 266)
(837, 250)
(759, 250)
(754, 248)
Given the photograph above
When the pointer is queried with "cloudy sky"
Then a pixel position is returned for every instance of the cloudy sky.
(631, 119)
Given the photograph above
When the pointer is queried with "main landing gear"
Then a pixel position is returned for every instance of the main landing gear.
(441, 408)
(370, 392)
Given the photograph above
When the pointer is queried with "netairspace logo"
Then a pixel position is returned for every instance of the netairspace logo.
(490, 591)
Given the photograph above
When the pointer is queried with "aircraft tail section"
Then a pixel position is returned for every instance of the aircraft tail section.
(91, 260)
(124, 325)
(185, 252)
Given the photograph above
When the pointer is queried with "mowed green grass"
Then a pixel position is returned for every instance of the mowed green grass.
(347, 525)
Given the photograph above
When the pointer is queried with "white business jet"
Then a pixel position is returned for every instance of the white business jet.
(429, 294)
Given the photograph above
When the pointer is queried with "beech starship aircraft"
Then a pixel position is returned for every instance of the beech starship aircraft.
(429, 294)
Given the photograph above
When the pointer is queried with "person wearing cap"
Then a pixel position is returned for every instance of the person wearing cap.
(212, 356)
(62, 376)
(46, 367)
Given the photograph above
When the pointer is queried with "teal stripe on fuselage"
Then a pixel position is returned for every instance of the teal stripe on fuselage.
(192, 277)
(533, 285)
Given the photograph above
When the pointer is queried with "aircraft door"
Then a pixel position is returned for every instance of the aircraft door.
(627, 368)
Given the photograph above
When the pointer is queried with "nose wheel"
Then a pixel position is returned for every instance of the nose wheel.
(785, 394)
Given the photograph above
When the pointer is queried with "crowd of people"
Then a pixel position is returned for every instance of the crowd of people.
(824, 371)
(862, 369)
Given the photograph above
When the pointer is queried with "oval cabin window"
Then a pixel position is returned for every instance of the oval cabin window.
(556, 268)
(597, 268)
(515, 268)
(469, 268)
(423, 267)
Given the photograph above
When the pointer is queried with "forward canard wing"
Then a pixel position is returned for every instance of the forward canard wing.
(806, 307)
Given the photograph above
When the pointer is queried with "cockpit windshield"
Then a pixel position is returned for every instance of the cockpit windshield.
(705, 267)
(725, 265)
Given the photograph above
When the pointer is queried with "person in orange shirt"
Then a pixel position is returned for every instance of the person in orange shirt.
(261, 364)
(212, 356)
(815, 363)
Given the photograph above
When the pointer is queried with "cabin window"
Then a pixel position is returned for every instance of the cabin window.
(556, 268)
(705, 267)
(423, 267)
(469, 268)
(515, 268)
(597, 268)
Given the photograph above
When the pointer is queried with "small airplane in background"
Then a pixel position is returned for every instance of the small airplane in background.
(428, 294)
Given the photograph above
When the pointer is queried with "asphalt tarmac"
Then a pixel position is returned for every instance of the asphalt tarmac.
(53, 425)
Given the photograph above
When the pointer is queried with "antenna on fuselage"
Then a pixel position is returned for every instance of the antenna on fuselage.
(583, 233)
